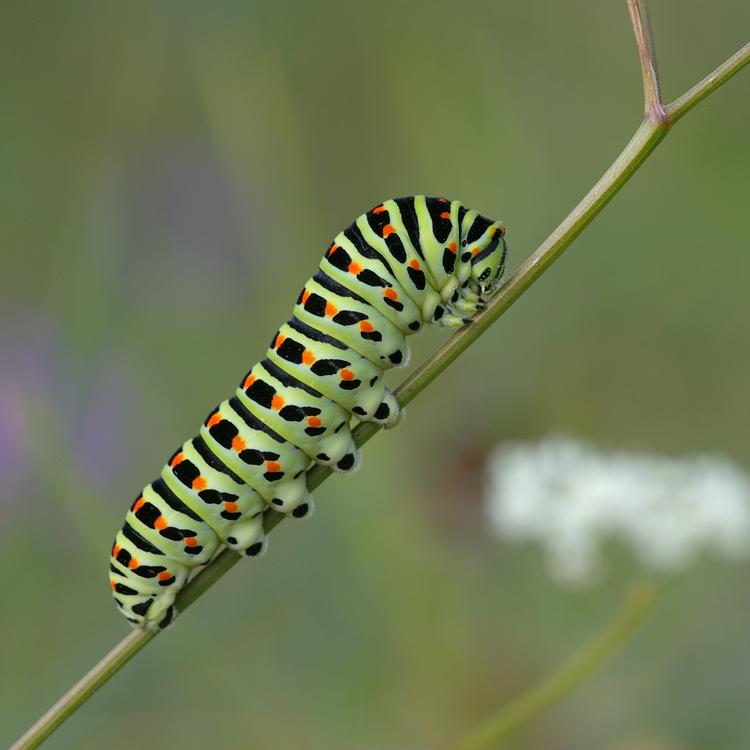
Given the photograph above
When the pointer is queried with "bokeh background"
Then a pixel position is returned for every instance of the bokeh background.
(171, 174)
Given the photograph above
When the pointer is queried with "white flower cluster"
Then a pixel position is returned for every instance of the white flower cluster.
(571, 498)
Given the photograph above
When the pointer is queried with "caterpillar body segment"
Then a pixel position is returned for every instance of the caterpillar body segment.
(273, 467)
(300, 414)
(356, 325)
(405, 263)
(355, 382)
(232, 508)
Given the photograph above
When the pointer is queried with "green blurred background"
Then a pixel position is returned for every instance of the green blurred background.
(171, 174)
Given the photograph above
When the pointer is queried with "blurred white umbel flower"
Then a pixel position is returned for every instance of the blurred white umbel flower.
(571, 498)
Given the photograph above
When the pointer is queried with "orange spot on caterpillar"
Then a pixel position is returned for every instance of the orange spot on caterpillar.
(378, 210)
(277, 402)
(278, 341)
(332, 249)
(133, 564)
(231, 507)
(160, 523)
(314, 421)
(331, 309)
(191, 541)
(178, 459)
(199, 483)
(445, 215)
(346, 374)
(249, 380)
(390, 293)
(273, 466)
(308, 357)
(366, 326)
(453, 247)
(215, 418)
(414, 264)
(112, 583)
(165, 575)
(138, 504)
(305, 295)
(238, 444)
(115, 550)
(388, 230)
(474, 250)
(354, 268)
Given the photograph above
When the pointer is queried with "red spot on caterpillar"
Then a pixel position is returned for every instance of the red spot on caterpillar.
(332, 249)
(388, 230)
(199, 483)
(133, 564)
(366, 326)
(390, 293)
(191, 542)
(346, 374)
(115, 550)
(445, 215)
(354, 268)
(414, 264)
(160, 523)
(278, 341)
(277, 402)
(378, 210)
(308, 357)
(314, 421)
(249, 380)
(273, 466)
(178, 459)
(165, 575)
(453, 247)
(305, 295)
(231, 507)
(138, 504)
(238, 444)
(331, 309)
(215, 418)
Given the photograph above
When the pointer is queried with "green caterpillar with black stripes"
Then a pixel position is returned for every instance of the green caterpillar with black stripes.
(407, 262)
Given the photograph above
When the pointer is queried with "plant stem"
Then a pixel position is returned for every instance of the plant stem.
(653, 107)
(120, 655)
(638, 602)
(709, 84)
(643, 142)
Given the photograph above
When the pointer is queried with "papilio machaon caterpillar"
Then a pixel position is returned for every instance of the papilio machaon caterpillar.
(407, 262)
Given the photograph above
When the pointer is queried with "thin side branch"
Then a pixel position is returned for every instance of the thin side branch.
(709, 84)
(653, 107)
(638, 602)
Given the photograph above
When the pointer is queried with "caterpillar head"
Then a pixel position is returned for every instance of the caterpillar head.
(485, 240)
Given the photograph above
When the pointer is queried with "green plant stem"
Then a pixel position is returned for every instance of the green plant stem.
(643, 142)
(695, 95)
(653, 108)
(638, 602)
(110, 665)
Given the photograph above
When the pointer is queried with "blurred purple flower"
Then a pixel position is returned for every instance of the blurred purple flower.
(85, 402)
(182, 218)
(27, 349)
(100, 432)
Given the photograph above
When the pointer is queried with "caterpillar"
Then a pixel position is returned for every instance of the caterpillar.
(405, 263)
